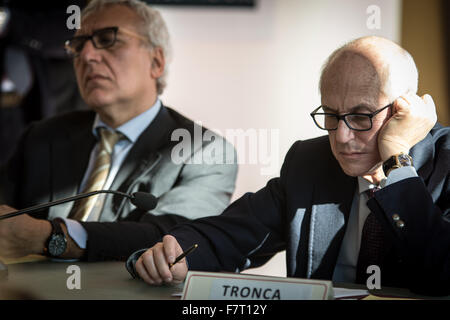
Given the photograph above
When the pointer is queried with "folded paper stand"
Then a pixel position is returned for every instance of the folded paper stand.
(231, 286)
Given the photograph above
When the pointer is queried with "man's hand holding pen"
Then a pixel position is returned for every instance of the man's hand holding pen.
(158, 264)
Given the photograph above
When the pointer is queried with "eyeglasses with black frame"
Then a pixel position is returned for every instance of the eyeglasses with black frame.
(101, 39)
(355, 120)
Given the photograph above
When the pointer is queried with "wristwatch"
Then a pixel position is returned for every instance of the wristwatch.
(57, 242)
(397, 161)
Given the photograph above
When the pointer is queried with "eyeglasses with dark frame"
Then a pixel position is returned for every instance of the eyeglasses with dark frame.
(101, 39)
(355, 120)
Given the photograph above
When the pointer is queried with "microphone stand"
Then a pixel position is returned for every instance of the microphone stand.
(54, 203)
(3, 267)
(135, 199)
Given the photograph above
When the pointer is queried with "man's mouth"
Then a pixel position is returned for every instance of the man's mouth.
(351, 155)
(95, 77)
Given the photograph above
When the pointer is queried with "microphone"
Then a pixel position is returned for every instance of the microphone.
(142, 200)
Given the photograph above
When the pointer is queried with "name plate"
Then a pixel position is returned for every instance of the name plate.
(231, 286)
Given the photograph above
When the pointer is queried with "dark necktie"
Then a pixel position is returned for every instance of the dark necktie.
(372, 249)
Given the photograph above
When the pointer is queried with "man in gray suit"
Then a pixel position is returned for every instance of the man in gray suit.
(323, 209)
(126, 143)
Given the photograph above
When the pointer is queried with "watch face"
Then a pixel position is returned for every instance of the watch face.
(57, 245)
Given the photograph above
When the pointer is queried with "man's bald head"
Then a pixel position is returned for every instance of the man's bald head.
(363, 77)
(391, 67)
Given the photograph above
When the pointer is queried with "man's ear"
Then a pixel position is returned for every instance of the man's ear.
(158, 63)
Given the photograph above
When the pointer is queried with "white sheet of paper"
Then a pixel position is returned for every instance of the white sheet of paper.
(344, 293)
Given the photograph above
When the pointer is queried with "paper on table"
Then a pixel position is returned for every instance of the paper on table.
(374, 297)
(344, 293)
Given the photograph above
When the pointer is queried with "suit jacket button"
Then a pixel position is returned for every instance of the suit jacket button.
(400, 224)
(395, 217)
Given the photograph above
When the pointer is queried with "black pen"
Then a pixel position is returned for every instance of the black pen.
(184, 254)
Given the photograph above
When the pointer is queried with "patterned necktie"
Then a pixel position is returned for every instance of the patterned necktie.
(98, 175)
(372, 244)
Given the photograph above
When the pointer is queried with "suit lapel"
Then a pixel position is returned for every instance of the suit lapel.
(144, 152)
(143, 157)
(70, 157)
(332, 202)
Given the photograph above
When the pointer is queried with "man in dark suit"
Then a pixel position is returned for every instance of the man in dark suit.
(374, 192)
(126, 143)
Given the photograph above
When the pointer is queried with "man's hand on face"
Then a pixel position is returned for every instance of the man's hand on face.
(412, 118)
(153, 265)
(22, 235)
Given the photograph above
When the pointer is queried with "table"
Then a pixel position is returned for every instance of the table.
(99, 280)
(47, 279)
(389, 293)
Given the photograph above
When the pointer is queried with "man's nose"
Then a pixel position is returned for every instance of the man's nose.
(89, 52)
(343, 132)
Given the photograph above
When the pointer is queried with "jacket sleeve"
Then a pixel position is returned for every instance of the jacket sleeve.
(423, 234)
(202, 189)
(417, 212)
(117, 240)
(247, 234)
(233, 241)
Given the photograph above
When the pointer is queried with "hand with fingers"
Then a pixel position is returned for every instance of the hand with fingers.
(412, 118)
(22, 235)
(153, 265)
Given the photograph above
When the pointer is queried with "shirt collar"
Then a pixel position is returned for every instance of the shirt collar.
(364, 185)
(133, 128)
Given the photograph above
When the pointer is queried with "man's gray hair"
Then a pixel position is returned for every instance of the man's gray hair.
(152, 27)
(398, 71)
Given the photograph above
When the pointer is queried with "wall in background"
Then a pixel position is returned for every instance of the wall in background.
(259, 69)
(424, 35)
